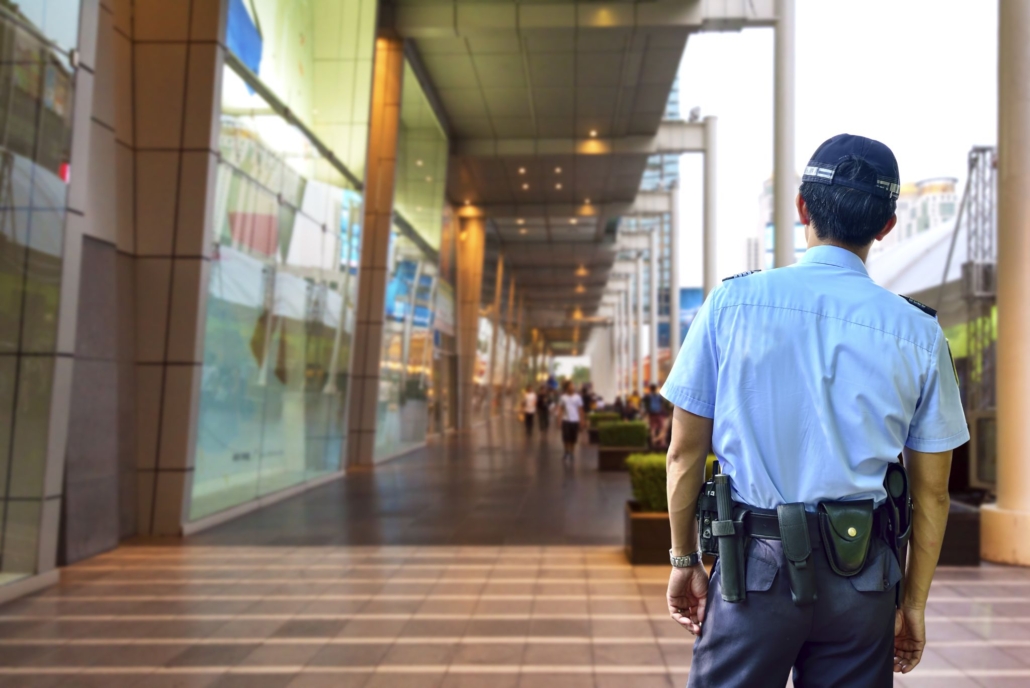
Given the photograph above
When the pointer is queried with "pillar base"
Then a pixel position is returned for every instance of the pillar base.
(1004, 535)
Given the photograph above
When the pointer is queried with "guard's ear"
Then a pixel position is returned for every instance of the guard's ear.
(802, 210)
(887, 227)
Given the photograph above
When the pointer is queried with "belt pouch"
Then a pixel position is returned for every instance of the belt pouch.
(731, 543)
(847, 528)
(797, 547)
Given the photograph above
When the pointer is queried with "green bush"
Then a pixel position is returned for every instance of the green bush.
(647, 474)
(599, 417)
(630, 433)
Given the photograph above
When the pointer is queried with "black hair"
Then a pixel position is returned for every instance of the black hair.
(843, 215)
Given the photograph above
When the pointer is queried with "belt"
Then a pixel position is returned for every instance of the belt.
(765, 525)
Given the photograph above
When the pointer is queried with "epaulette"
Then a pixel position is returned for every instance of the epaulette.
(740, 274)
(921, 306)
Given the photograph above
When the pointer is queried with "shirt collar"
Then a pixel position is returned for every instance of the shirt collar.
(834, 255)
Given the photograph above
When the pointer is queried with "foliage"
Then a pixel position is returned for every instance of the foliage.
(647, 475)
(631, 433)
(580, 375)
(599, 417)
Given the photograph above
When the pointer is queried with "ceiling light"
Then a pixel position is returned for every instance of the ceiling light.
(558, 187)
(522, 170)
(468, 202)
(520, 221)
(582, 271)
(580, 289)
(593, 133)
(557, 170)
(419, 163)
(586, 201)
(573, 221)
(525, 187)
(523, 230)
(429, 179)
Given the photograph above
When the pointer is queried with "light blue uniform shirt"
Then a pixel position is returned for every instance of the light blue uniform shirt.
(816, 377)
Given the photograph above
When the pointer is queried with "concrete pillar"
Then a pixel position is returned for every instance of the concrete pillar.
(509, 327)
(710, 261)
(784, 172)
(387, 76)
(674, 275)
(471, 249)
(616, 349)
(520, 343)
(1006, 524)
(654, 306)
(627, 310)
(498, 293)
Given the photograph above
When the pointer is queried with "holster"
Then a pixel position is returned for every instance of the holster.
(797, 548)
(847, 530)
(730, 536)
(899, 519)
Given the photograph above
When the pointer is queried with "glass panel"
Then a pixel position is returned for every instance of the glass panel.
(56, 19)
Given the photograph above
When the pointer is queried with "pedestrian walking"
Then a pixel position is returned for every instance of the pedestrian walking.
(654, 407)
(529, 409)
(543, 408)
(807, 382)
(570, 406)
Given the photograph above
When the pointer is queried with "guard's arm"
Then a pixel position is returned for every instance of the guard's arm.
(928, 478)
(685, 463)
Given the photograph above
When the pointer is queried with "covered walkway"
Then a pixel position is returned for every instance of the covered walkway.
(478, 562)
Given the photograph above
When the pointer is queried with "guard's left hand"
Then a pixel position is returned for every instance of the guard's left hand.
(687, 596)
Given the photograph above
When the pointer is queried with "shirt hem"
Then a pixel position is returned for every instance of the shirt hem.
(945, 444)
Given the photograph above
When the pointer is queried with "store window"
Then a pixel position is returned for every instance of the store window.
(287, 228)
(36, 95)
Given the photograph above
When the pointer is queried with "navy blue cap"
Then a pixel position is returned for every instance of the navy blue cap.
(822, 168)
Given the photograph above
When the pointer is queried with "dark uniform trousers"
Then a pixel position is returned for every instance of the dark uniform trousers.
(844, 640)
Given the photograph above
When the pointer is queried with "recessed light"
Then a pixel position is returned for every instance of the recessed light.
(419, 163)
(586, 201)
(523, 230)
(573, 221)
(522, 170)
(429, 179)
(558, 186)
(525, 187)
(520, 221)
(580, 289)
(468, 202)
(593, 133)
(557, 170)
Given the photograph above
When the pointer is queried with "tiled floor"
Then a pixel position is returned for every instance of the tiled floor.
(442, 615)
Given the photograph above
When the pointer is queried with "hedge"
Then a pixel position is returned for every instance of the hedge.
(647, 475)
(599, 417)
(630, 433)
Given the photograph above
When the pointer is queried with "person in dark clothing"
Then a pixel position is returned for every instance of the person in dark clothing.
(543, 408)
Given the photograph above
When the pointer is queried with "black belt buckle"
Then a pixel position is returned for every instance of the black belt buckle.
(797, 547)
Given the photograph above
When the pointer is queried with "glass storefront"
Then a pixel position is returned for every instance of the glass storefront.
(408, 397)
(283, 284)
(36, 95)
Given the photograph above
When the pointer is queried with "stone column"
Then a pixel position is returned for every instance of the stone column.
(627, 310)
(638, 325)
(498, 295)
(654, 306)
(616, 351)
(710, 260)
(387, 75)
(471, 250)
(674, 276)
(784, 191)
(1005, 526)
(510, 322)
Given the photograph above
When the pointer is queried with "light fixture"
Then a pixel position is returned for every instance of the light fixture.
(593, 133)
(573, 221)
(429, 179)
(582, 271)
(520, 221)
(523, 230)
(468, 202)
(419, 163)
(522, 170)
(580, 289)
(557, 170)
(586, 201)
(558, 187)
(525, 187)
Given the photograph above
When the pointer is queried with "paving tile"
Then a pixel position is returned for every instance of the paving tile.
(363, 655)
(212, 655)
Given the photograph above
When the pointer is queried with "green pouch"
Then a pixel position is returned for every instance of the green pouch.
(847, 529)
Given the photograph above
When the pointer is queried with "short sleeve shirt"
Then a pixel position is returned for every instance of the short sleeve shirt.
(571, 404)
(815, 378)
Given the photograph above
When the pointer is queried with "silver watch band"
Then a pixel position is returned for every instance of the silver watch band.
(692, 559)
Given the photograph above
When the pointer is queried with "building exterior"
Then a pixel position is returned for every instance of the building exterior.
(921, 205)
(760, 247)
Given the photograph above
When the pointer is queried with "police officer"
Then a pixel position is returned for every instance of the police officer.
(808, 382)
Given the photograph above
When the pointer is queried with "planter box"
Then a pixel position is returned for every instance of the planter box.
(592, 433)
(961, 546)
(648, 536)
(614, 458)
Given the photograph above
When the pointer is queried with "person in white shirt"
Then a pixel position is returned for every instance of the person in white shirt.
(529, 408)
(569, 407)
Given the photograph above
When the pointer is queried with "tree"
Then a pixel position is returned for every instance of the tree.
(581, 374)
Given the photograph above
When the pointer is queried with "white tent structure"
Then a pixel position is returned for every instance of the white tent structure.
(915, 268)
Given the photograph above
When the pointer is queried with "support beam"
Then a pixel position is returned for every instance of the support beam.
(784, 171)
(498, 290)
(653, 311)
(1004, 525)
(638, 325)
(710, 259)
(471, 250)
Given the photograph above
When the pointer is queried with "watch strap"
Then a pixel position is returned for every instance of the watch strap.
(692, 559)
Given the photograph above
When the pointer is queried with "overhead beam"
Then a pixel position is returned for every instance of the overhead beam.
(672, 138)
(463, 18)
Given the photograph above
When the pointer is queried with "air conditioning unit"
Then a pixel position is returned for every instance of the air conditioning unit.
(979, 279)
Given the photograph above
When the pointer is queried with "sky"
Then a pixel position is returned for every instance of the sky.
(919, 75)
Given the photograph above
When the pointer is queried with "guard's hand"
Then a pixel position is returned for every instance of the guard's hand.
(687, 595)
(909, 638)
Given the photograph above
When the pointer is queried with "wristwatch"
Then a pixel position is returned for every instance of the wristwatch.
(692, 559)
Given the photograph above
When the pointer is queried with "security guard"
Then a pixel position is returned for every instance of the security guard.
(808, 383)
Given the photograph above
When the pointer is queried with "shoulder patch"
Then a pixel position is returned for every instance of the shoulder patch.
(740, 274)
(921, 306)
(954, 368)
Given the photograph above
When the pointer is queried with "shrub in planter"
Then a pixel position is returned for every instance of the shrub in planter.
(630, 433)
(647, 522)
(598, 417)
(647, 476)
